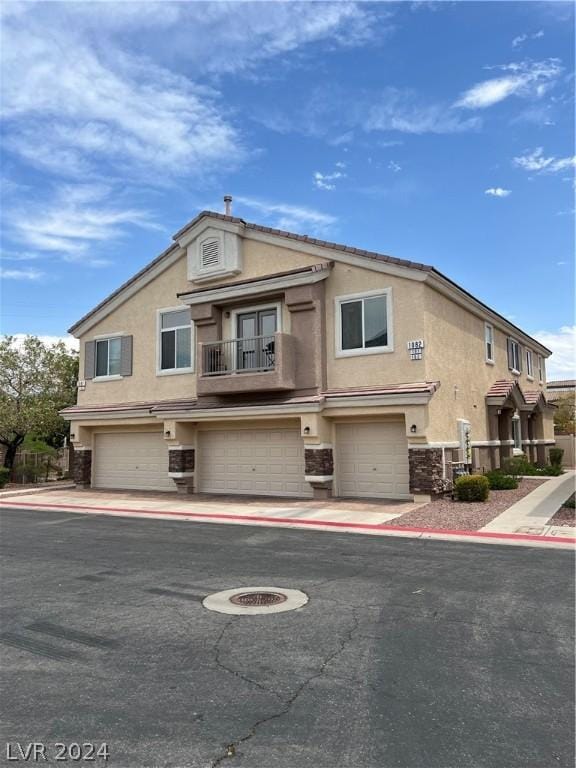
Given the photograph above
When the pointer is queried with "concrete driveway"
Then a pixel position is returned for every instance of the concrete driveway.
(409, 654)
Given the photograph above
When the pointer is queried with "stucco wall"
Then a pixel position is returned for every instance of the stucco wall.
(138, 317)
(407, 321)
(455, 356)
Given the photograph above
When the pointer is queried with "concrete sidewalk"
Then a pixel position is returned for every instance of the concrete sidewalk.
(343, 515)
(532, 513)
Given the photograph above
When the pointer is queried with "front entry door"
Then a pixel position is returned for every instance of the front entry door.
(256, 339)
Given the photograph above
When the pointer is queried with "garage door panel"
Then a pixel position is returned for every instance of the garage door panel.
(260, 462)
(372, 460)
(131, 461)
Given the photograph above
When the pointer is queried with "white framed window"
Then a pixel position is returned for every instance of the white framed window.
(529, 369)
(175, 341)
(541, 369)
(364, 323)
(514, 362)
(108, 357)
(489, 342)
(517, 433)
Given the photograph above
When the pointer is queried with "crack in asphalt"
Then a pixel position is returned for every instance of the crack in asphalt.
(217, 658)
(289, 703)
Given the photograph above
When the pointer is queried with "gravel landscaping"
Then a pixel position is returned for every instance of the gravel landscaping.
(461, 516)
(564, 516)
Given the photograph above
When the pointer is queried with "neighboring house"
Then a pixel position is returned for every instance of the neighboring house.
(560, 388)
(248, 360)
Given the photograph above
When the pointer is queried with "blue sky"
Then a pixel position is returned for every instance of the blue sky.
(440, 132)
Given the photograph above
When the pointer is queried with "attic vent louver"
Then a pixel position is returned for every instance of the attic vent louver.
(210, 253)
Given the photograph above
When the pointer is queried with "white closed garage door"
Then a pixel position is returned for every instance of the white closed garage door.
(131, 460)
(372, 460)
(253, 461)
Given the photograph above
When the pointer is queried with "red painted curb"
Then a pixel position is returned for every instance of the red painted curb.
(298, 521)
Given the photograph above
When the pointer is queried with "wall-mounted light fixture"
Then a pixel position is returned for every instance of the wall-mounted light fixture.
(167, 433)
(413, 428)
(72, 436)
(306, 430)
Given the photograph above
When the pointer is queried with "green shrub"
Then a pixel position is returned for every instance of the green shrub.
(519, 465)
(4, 476)
(472, 488)
(501, 482)
(27, 473)
(556, 455)
(571, 502)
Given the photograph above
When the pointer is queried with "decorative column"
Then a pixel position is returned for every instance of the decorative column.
(493, 436)
(82, 466)
(319, 469)
(426, 468)
(505, 434)
(181, 466)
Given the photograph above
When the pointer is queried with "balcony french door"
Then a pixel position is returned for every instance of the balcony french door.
(255, 335)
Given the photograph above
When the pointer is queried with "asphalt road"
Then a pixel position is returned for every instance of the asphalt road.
(410, 654)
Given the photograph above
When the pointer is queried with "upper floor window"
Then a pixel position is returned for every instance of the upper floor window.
(489, 342)
(529, 369)
(175, 347)
(514, 361)
(541, 369)
(364, 323)
(108, 356)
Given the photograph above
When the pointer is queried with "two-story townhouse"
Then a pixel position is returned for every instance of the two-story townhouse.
(249, 360)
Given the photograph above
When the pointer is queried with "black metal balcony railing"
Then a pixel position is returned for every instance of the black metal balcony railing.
(238, 356)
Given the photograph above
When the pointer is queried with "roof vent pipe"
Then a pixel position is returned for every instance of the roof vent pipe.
(228, 205)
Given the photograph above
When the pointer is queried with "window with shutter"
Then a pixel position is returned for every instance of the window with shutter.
(210, 253)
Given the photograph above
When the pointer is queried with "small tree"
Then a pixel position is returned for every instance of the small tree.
(37, 380)
(565, 415)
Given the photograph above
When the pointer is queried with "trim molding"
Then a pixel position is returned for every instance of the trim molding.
(318, 478)
(227, 293)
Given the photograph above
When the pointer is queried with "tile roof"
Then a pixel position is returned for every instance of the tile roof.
(533, 396)
(361, 252)
(424, 387)
(502, 388)
(304, 239)
(561, 384)
(168, 406)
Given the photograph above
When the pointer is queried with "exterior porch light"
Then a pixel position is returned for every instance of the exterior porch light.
(413, 428)
(167, 433)
(306, 430)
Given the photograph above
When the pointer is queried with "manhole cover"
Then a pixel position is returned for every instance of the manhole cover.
(249, 601)
(258, 598)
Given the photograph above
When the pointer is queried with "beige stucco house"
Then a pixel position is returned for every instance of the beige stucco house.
(248, 360)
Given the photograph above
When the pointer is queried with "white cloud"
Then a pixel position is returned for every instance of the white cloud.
(88, 85)
(498, 192)
(72, 343)
(562, 343)
(289, 217)
(21, 274)
(536, 162)
(394, 166)
(525, 79)
(522, 38)
(403, 110)
(74, 220)
(326, 180)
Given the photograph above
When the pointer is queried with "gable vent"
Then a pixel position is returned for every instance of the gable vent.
(210, 253)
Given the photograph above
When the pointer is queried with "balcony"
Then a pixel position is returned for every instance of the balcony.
(239, 366)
